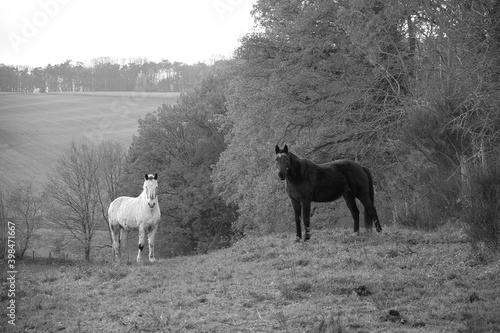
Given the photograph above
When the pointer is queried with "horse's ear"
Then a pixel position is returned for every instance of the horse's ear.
(277, 149)
(156, 176)
(285, 150)
(147, 177)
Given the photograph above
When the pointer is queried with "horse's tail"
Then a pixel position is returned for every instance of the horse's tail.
(110, 216)
(371, 194)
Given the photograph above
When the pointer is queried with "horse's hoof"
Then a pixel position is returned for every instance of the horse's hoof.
(308, 237)
(152, 259)
(297, 239)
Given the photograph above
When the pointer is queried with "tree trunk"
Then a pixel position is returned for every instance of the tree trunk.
(87, 252)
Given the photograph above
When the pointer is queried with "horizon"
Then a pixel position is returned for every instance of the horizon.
(121, 61)
(36, 33)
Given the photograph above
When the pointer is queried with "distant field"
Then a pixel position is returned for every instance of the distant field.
(36, 128)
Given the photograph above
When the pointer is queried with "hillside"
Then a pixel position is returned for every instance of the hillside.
(397, 281)
(35, 128)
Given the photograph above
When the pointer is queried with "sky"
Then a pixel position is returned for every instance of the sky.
(41, 32)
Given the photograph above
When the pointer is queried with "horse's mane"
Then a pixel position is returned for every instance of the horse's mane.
(294, 156)
(296, 164)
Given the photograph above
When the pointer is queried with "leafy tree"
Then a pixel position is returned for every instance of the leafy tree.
(396, 85)
(301, 81)
(182, 143)
(9, 78)
(454, 122)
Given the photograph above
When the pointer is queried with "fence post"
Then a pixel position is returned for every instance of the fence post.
(33, 254)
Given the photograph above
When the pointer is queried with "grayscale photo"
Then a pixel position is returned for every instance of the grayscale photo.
(296, 166)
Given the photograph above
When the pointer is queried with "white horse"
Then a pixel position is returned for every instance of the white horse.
(143, 213)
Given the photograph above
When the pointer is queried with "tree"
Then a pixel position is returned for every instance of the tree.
(27, 206)
(104, 74)
(300, 81)
(81, 185)
(182, 143)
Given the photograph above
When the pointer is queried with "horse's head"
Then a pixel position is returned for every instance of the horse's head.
(282, 162)
(150, 187)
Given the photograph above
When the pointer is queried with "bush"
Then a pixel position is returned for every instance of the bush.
(416, 215)
(435, 198)
(482, 218)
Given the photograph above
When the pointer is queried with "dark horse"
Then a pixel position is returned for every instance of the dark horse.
(307, 181)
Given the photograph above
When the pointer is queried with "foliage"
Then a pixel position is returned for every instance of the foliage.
(182, 143)
(408, 89)
(482, 218)
(301, 81)
(455, 121)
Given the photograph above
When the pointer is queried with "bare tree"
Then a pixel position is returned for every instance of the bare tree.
(82, 185)
(111, 160)
(26, 204)
(73, 186)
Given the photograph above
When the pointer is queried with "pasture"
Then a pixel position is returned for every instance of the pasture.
(396, 281)
(35, 128)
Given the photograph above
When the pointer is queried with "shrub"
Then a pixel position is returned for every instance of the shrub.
(482, 218)
(435, 198)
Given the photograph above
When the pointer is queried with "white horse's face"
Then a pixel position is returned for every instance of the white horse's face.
(150, 187)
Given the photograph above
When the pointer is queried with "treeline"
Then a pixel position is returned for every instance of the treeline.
(408, 89)
(103, 74)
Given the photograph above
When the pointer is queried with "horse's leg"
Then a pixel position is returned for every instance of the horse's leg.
(370, 213)
(123, 241)
(306, 210)
(141, 241)
(151, 242)
(297, 209)
(350, 200)
(115, 238)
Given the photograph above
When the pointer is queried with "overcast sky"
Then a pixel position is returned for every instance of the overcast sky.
(39, 32)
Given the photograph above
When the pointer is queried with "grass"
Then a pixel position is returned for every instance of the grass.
(398, 281)
(35, 128)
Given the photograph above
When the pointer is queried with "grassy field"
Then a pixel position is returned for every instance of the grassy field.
(397, 281)
(35, 128)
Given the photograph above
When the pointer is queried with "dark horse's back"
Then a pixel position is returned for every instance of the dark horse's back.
(332, 180)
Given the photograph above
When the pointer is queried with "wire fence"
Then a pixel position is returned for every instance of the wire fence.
(97, 255)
